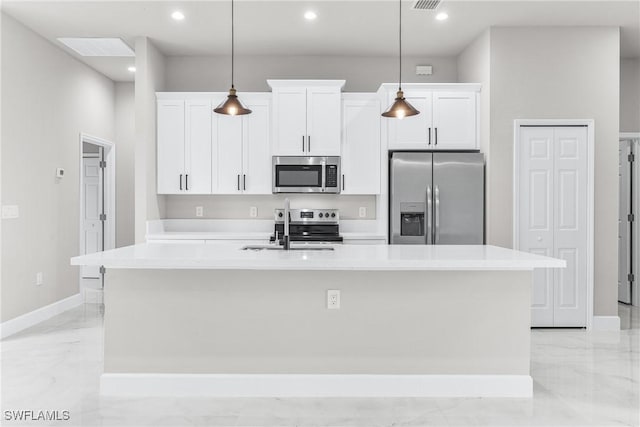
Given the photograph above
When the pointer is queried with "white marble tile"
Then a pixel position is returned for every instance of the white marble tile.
(580, 379)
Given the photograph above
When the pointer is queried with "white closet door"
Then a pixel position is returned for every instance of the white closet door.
(570, 225)
(536, 214)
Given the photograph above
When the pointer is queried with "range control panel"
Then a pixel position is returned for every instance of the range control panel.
(306, 216)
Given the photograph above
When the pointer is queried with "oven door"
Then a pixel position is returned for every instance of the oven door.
(301, 175)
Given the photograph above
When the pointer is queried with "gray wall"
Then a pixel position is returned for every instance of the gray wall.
(48, 99)
(363, 74)
(150, 78)
(558, 72)
(125, 117)
(630, 95)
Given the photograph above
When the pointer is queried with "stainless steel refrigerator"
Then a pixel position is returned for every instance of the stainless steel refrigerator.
(436, 198)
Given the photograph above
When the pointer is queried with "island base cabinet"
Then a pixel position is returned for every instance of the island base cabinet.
(453, 324)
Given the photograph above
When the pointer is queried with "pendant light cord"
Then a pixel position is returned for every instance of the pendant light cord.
(400, 45)
(232, 45)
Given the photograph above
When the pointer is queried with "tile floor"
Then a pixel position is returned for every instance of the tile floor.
(580, 379)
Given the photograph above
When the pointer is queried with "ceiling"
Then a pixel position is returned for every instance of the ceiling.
(355, 27)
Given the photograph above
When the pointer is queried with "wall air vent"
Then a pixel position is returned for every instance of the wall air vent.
(426, 5)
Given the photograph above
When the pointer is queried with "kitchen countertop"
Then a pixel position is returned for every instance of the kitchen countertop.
(230, 256)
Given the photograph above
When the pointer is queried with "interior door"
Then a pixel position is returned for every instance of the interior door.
(198, 116)
(411, 198)
(535, 199)
(92, 208)
(228, 143)
(256, 159)
(361, 146)
(570, 225)
(323, 121)
(454, 120)
(290, 122)
(412, 133)
(624, 226)
(458, 198)
(171, 147)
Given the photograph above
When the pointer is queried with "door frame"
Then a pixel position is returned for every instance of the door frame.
(589, 123)
(109, 179)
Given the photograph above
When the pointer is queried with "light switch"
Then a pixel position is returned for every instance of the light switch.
(10, 212)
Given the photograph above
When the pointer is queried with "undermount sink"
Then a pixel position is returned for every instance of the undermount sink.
(305, 247)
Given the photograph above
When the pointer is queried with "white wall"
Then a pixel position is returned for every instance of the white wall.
(150, 78)
(125, 117)
(363, 74)
(630, 95)
(474, 66)
(48, 99)
(559, 72)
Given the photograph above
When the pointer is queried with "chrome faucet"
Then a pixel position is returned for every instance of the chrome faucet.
(287, 220)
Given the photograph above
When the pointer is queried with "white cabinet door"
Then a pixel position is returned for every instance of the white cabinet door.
(323, 122)
(170, 146)
(290, 121)
(454, 120)
(198, 116)
(360, 146)
(570, 225)
(256, 157)
(228, 145)
(536, 213)
(412, 133)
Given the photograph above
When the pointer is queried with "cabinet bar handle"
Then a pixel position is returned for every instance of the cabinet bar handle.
(186, 182)
(238, 182)
(244, 182)
(308, 143)
(436, 130)
(429, 136)
(342, 182)
(180, 182)
(303, 143)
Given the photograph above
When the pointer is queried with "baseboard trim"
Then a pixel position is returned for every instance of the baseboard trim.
(605, 323)
(41, 314)
(287, 385)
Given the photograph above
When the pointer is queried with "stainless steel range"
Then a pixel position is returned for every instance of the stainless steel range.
(309, 225)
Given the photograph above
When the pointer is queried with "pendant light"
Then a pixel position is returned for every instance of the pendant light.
(400, 107)
(232, 105)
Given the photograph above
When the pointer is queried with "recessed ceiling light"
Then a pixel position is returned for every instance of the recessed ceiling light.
(442, 16)
(97, 46)
(132, 69)
(177, 15)
(310, 15)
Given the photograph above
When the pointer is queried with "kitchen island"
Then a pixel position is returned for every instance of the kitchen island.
(413, 320)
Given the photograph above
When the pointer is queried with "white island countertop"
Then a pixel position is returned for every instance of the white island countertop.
(344, 257)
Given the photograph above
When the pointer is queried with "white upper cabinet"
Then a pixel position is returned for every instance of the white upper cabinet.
(306, 117)
(448, 118)
(361, 143)
(242, 162)
(184, 146)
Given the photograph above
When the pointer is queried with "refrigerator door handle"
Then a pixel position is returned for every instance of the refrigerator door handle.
(429, 234)
(436, 215)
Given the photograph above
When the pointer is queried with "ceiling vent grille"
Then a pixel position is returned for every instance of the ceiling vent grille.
(426, 5)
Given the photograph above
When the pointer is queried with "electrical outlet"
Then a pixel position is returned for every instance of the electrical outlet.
(362, 212)
(253, 211)
(39, 279)
(199, 211)
(333, 299)
(10, 212)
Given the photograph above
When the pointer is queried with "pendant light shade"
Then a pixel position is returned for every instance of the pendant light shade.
(232, 105)
(400, 107)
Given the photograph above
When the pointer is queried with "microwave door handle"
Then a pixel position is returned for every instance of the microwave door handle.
(324, 175)
(429, 235)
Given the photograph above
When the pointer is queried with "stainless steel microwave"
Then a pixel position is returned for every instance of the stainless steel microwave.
(306, 174)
